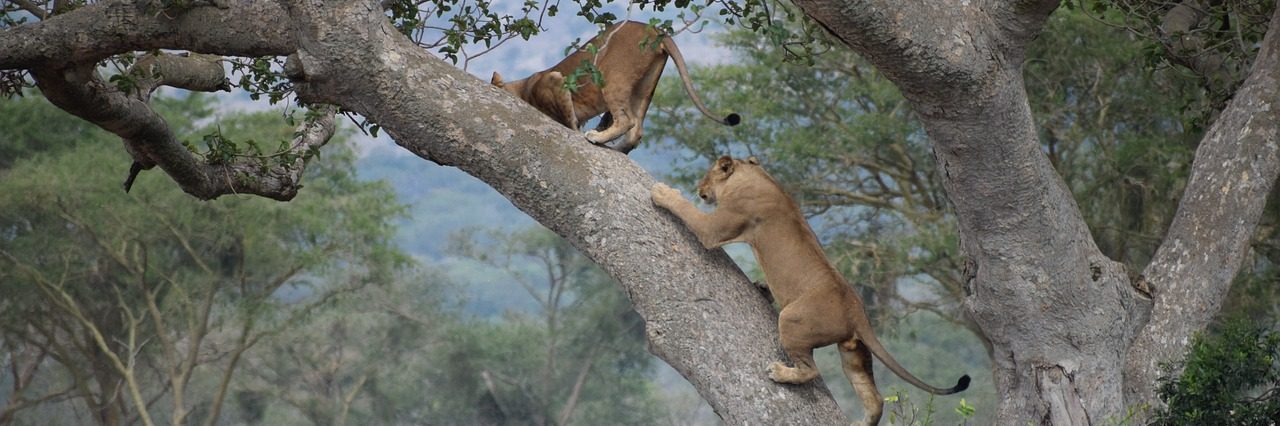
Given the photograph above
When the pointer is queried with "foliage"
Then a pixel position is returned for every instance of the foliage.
(365, 359)
(31, 124)
(1214, 41)
(1228, 378)
(107, 293)
(900, 409)
(578, 357)
(1115, 132)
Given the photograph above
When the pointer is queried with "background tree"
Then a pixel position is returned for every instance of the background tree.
(577, 358)
(124, 303)
(367, 358)
(1074, 337)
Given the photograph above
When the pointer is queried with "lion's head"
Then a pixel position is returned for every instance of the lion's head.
(718, 177)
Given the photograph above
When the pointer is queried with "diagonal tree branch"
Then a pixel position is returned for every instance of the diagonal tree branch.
(701, 313)
(1235, 168)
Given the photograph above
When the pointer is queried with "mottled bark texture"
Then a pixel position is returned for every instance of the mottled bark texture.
(1065, 322)
(62, 53)
(1234, 169)
(701, 313)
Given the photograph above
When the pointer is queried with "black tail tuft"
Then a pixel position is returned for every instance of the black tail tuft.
(962, 384)
(732, 119)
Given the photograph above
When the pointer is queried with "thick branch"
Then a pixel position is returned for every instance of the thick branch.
(701, 313)
(1235, 167)
(80, 91)
(203, 73)
(935, 47)
(96, 31)
(1038, 287)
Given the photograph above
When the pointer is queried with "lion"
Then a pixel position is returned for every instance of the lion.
(817, 306)
(630, 58)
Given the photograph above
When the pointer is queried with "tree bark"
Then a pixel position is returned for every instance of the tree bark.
(701, 313)
(1061, 316)
(1235, 167)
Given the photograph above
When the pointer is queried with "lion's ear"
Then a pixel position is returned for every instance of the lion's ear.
(753, 160)
(725, 164)
(496, 80)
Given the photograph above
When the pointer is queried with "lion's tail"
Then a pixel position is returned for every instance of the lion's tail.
(868, 337)
(670, 45)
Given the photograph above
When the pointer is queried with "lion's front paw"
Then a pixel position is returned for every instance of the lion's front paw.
(665, 196)
(778, 372)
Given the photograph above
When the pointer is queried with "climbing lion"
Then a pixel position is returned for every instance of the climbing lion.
(630, 59)
(818, 308)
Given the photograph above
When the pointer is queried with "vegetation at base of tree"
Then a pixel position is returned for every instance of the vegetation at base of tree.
(900, 409)
(1230, 377)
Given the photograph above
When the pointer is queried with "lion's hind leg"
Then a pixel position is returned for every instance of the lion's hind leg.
(641, 96)
(621, 123)
(798, 341)
(856, 360)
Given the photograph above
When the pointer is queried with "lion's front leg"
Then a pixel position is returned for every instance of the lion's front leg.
(713, 230)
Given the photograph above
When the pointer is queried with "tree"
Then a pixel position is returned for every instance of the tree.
(126, 304)
(1074, 337)
(578, 358)
(364, 359)
(1064, 320)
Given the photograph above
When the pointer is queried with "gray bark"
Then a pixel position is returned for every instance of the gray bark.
(1065, 322)
(1061, 316)
(701, 313)
(1235, 168)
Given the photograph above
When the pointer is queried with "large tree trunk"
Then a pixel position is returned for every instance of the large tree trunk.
(1061, 316)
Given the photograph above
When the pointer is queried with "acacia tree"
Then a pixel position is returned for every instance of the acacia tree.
(1075, 338)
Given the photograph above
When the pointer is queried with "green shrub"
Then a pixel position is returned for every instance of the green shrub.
(1228, 378)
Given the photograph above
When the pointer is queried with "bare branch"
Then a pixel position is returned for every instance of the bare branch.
(96, 31)
(151, 142)
(35, 9)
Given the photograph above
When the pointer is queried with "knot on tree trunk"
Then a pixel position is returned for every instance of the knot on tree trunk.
(1059, 394)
